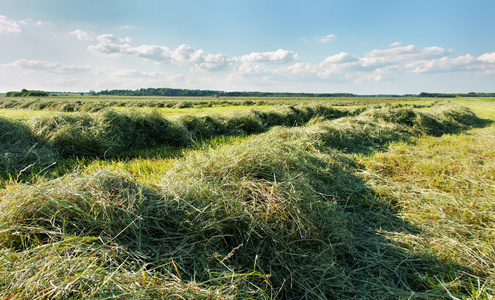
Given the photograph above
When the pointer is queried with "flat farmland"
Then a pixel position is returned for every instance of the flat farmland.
(247, 198)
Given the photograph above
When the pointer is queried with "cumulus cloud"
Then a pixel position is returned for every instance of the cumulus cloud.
(381, 64)
(279, 56)
(327, 38)
(375, 65)
(444, 64)
(9, 26)
(183, 55)
(487, 58)
(214, 62)
(106, 38)
(154, 53)
(340, 58)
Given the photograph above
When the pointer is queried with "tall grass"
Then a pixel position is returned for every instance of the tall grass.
(291, 213)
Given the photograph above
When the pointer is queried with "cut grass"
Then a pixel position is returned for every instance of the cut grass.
(290, 213)
(446, 187)
(20, 149)
(95, 104)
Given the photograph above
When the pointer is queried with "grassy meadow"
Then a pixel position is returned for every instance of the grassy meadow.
(244, 198)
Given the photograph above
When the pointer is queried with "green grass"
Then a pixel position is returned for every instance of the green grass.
(24, 113)
(380, 202)
(78, 103)
(444, 187)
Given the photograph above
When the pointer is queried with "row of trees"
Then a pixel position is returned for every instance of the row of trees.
(443, 95)
(26, 93)
(212, 93)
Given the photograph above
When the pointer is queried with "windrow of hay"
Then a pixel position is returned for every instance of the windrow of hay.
(109, 132)
(281, 214)
(20, 149)
(95, 104)
(256, 121)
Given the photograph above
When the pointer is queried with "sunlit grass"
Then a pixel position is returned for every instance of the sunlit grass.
(446, 188)
(166, 112)
(24, 113)
(483, 107)
(143, 165)
(173, 113)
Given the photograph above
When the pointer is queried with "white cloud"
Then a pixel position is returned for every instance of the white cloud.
(125, 40)
(444, 64)
(30, 21)
(106, 38)
(137, 74)
(340, 58)
(81, 35)
(397, 53)
(106, 48)
(214, 62)
(279, 56)
(391, 62)
(40, 65)
(159, 54)
(487, 58)
(182, 55)
(185, 55)
(9, 26)
(327, 38)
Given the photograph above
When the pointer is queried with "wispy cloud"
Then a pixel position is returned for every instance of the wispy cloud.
(8, 25)
(327, 38)
(30, 21)
(81, 35)
(137, 74)
(397, 53)
(41, 65)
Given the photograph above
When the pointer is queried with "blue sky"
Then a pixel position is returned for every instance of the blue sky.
(355, 46)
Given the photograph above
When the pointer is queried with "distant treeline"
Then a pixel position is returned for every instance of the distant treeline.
(168, 92)
(26, 93)
(209, 93)
(212, 93)
(443, 95)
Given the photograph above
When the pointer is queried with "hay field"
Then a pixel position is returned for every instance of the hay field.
(312, 201)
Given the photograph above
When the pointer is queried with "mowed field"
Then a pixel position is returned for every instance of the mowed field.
(244, 198)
